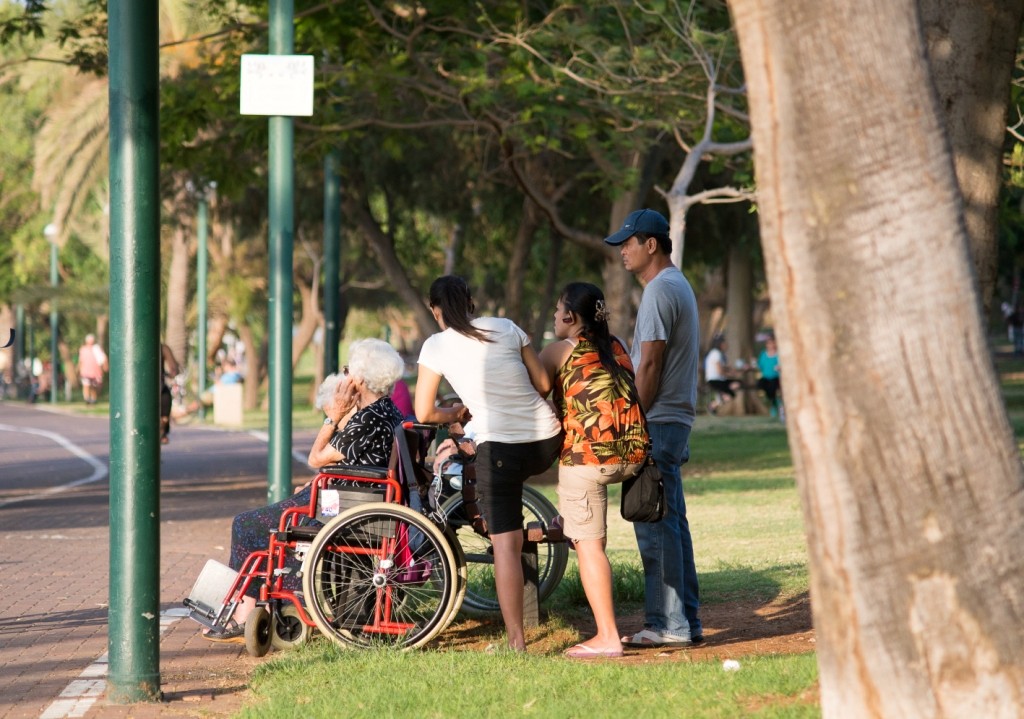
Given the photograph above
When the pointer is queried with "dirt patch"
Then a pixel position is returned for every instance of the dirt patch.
(731, 630)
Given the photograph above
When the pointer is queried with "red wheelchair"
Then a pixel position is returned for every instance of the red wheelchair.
(374, 571)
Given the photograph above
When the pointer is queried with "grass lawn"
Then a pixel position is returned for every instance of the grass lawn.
(746, 522)
(322, 681)
(745, 519)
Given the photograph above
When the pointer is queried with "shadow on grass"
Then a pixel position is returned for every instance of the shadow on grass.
(738, 604)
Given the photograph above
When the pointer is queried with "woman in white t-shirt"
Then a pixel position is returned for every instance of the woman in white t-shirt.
(490, 364)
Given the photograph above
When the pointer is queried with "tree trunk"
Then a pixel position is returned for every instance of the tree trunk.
(971, 48)
(176, 333)
(711, 302)
(910, 477)
(618, 283)
(542, 322)
(739, 308)
(384, 250)
(254, 375)
(451, 251)
(519, 261)
(311, 319)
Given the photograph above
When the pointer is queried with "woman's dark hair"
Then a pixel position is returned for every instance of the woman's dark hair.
(451, 295)
(586, 301)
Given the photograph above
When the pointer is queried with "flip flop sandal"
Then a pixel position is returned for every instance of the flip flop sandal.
(582, 651)
(655, 639)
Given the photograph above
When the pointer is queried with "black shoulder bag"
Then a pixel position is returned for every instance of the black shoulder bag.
(643, 494)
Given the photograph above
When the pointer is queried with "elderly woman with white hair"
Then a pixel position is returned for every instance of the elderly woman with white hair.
(358, 430)
(361, 416)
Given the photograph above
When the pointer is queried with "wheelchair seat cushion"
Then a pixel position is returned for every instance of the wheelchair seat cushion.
(348, 470)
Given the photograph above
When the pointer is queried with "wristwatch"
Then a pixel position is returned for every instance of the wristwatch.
(328, 420)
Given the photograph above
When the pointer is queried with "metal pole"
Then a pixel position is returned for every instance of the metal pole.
(54, 325)
(134, 615)
(19, 347)
(279, 460)
(332, 260)
(31, 356)
(201, 270)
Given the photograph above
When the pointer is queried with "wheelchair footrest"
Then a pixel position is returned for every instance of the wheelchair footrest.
(537, 532)
(208, 599)
(212, 586)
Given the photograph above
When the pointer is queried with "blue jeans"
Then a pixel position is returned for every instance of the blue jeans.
(670, 589)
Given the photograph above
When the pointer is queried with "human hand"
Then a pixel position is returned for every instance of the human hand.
(461, 413)
(343, 399)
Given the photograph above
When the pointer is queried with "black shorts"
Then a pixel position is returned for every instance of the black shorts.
(501, 470)
(722, 385)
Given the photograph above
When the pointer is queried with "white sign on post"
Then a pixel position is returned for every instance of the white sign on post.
(277, 85)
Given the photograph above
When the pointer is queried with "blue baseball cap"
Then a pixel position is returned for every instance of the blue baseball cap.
(650, 222)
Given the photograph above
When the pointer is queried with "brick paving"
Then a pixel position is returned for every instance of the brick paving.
(54, 564)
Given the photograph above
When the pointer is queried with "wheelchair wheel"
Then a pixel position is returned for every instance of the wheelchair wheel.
(380, 575)
(461, 574)
(287, 628)
(257, 632)
(481, 595)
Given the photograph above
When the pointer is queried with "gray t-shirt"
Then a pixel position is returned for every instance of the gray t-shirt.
(668, 311)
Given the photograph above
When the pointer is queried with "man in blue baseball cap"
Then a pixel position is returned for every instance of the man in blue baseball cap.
(648, 222)
(665, 354)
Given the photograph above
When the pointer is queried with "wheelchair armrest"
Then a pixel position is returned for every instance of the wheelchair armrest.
(299, 534)
(347, 470)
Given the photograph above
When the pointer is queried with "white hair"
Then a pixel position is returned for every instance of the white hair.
(327, 389)
(376, 363)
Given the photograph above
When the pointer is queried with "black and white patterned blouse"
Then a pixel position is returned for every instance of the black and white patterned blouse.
(366, 439)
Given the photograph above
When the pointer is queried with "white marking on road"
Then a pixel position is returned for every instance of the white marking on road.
(99, 470)
(79, 696)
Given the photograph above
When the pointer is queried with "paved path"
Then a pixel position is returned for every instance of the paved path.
(54, 562)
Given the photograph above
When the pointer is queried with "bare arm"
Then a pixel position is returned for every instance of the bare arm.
(425, 405)
(340, 409)
(648, 371)
(553, 357)
(539, 377)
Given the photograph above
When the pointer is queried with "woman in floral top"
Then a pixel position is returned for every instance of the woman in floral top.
(605, 442)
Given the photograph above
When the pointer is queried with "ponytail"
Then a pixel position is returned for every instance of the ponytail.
(451, 295)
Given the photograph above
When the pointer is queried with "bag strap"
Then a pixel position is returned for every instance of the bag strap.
(631, 379)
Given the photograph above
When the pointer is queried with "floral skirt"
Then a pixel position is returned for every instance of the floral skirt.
(250, 532)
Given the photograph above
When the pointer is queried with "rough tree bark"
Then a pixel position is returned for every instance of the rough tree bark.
(971, 47)
(911, 481)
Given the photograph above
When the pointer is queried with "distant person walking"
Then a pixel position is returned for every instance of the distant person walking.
(769, 383)
(169, 369)
(92, 364)
(666, 358)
